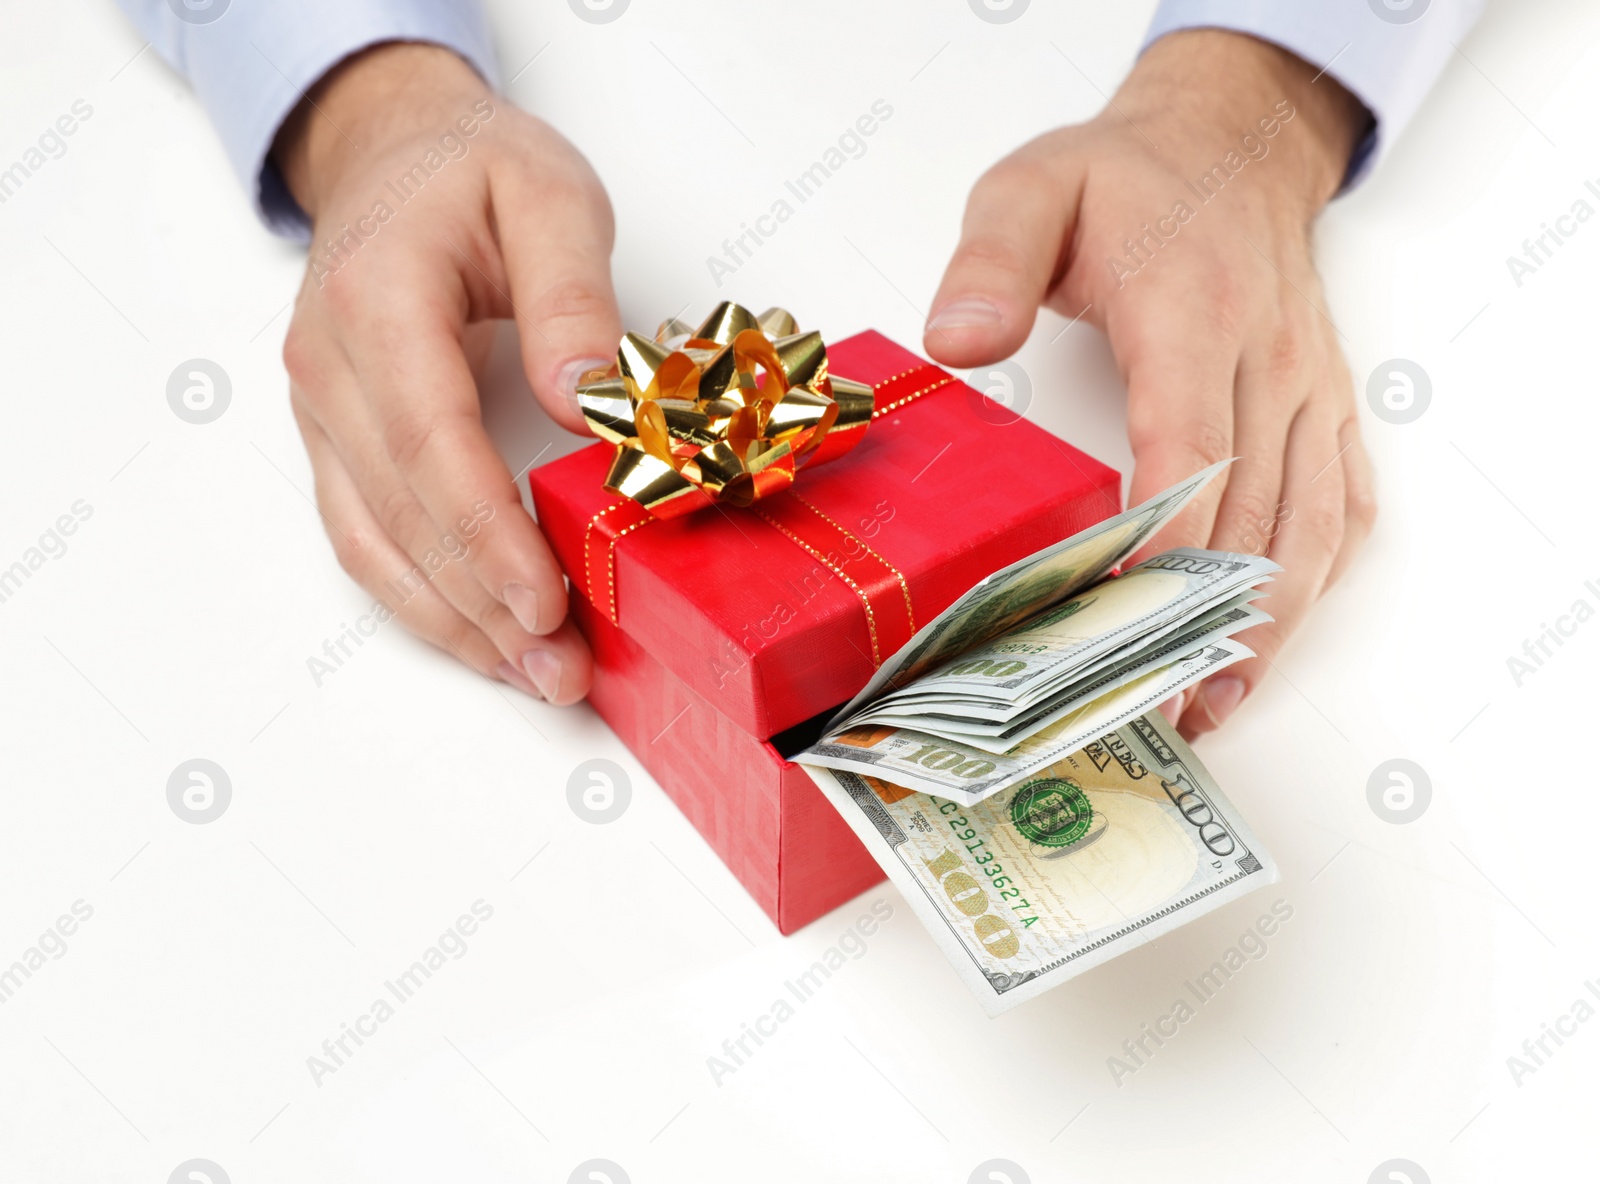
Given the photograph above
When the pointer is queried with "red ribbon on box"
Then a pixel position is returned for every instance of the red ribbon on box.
(880, 586)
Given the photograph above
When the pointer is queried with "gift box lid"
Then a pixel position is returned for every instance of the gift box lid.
(945, 488)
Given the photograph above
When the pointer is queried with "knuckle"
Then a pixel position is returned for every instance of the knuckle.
(344, 299)
(574, 186)
(491, 617)
(354, 549)
(406, 436)
(300, 355)
(1362, 506)
(1252, 519)
(1199, 443)
(461, 638)
(400, 514)
(1225, 309)
(1323, 522)
(1220, 304)
(573, 300)
(576, 195)
(1209, 440)
(1286, 355)
(993, 253)
(390, 329)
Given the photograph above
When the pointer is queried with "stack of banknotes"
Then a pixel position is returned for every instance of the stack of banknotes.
(1008, 770)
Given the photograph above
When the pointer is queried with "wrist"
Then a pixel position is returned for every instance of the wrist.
(1199, 92)
(370, 99)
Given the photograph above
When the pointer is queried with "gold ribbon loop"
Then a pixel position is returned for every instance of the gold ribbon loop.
(727, 412)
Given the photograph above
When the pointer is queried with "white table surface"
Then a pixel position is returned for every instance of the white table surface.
(369, 812)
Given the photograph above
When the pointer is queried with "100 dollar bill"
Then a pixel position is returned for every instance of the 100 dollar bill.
(1005, 735)
(1157, 598)
(1011, 595)
(1160, 593)
(1106, 849)
(966, 771)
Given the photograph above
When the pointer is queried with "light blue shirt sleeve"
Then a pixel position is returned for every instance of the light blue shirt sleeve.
(1388, 53)
(251, 61)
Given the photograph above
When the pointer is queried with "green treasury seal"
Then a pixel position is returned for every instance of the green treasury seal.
(1052, 812)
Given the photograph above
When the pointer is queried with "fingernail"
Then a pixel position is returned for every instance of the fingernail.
(523, 602)
(573, 373)
(1172, 708)
(544, 668)
(510, 674)
(970, 312)
(1220, 697)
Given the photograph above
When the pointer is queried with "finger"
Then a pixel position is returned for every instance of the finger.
(556, 668)
(561, 665)
(1172, 709)
(409, 362)
(1180, 407)
(556, 241)
(1269, 385)
(1014, 236)
(1312, 532)
(367, 553)
(1360, 497)
(439, 559)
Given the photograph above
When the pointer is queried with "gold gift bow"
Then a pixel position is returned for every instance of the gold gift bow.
(727, 414)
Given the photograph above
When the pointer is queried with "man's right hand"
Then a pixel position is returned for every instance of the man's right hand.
(1214, 312)
(409, 268)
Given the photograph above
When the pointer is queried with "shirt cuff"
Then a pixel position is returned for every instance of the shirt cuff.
(1389, 62)
(251, 67)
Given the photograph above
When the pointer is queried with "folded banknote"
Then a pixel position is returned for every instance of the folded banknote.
(1008, 770)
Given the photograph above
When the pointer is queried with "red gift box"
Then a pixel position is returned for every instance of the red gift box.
(725, 638)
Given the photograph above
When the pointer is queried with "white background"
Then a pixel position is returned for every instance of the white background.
(369, 812)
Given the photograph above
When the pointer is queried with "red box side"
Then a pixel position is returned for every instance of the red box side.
(751, 622)
(761, 814)
(821, 862)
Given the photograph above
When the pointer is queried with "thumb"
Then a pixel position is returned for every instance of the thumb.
(557, 253)
(1014, 238)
